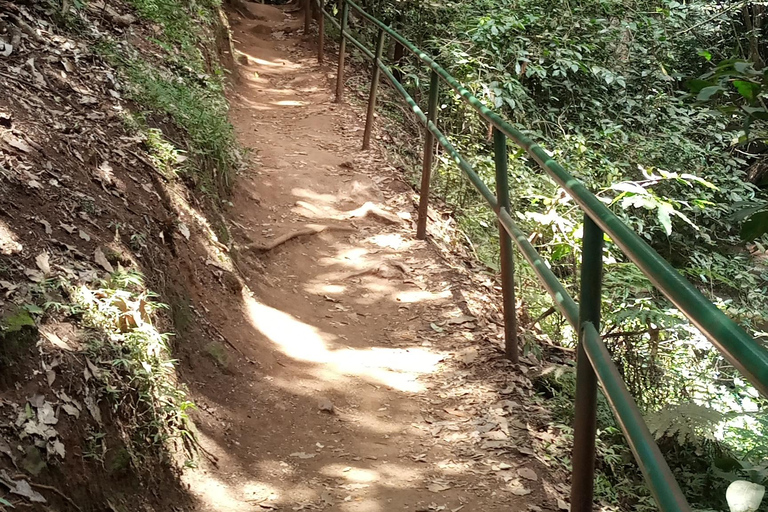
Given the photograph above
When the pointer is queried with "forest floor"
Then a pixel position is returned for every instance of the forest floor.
(370, 375)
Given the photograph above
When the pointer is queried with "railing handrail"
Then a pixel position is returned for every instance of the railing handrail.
(749, 357)
(732, 341)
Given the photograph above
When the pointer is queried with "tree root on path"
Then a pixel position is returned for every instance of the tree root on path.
(370, 209)
(367, 210)
(309, 229)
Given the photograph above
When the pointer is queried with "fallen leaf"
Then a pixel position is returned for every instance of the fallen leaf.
(468, 356)
(71, 410)
(43, 261)
(34, 275)
(69, 228)
(438, 486)
(93, 407)
(184, 230)
(46, 414)
(6, 449)
(463, 319)
(17, 143)
(46, 225)
(24, 489)
(562, 505)
(98, 256)
(85, 236)
(528, 474)
(56, 447)
(435, 327)
(516, 488)
(302, 455)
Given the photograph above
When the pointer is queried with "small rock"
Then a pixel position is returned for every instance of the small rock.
(326, 405)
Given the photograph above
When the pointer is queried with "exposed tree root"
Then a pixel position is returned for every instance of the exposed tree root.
(48, 488)
(309, 229)
(370, 209)
(381, 270)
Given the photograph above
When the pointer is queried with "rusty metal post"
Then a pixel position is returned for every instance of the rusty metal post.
(307, 15)
(507, 257)
(320, 33)
(585, 418)
(375, 74)
(342, 52)
(429, 153)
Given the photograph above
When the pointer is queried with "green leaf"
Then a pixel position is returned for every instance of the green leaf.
(706, 93)
(743, 213)
(6, 503)
(696, 85)
(755, 227)
(34, 309)
(740, 66)
(749, 90)
(705, 54)
(756, 112)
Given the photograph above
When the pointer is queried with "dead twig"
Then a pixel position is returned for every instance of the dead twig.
(544, 315)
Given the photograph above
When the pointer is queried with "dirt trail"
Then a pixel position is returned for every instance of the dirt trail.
(350, 395)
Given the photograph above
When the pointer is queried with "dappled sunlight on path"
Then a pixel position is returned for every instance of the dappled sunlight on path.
(351, 391)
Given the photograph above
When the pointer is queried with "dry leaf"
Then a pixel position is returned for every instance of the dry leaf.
(93, 407)
(438, 486)
(17, 143)
(98, 256)
(517, 488)
(43, 261)
(468, 356)
(463, 319)
(528, 474)
(85, 236)
(34, 275)
(46, 225)
(71, 410)
(302, 455)
(24, 489)
(184, 230)
(46, 415)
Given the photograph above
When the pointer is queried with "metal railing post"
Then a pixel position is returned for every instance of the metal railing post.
(429, 153)
(320, 33)
(342, 51)
(585, 417)
(507, 257)
(375, 74)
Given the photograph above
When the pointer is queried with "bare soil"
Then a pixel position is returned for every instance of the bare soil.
(362, 369)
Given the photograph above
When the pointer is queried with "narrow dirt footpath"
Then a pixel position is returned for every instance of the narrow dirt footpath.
(355, 390)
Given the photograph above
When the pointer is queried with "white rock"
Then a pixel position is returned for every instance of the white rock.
(743, 496)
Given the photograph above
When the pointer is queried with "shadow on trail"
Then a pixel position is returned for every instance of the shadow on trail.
(333, 403)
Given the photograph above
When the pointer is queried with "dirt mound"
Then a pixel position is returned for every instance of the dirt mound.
(102, 205)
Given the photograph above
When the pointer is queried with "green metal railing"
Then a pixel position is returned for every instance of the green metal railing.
(594, 362)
